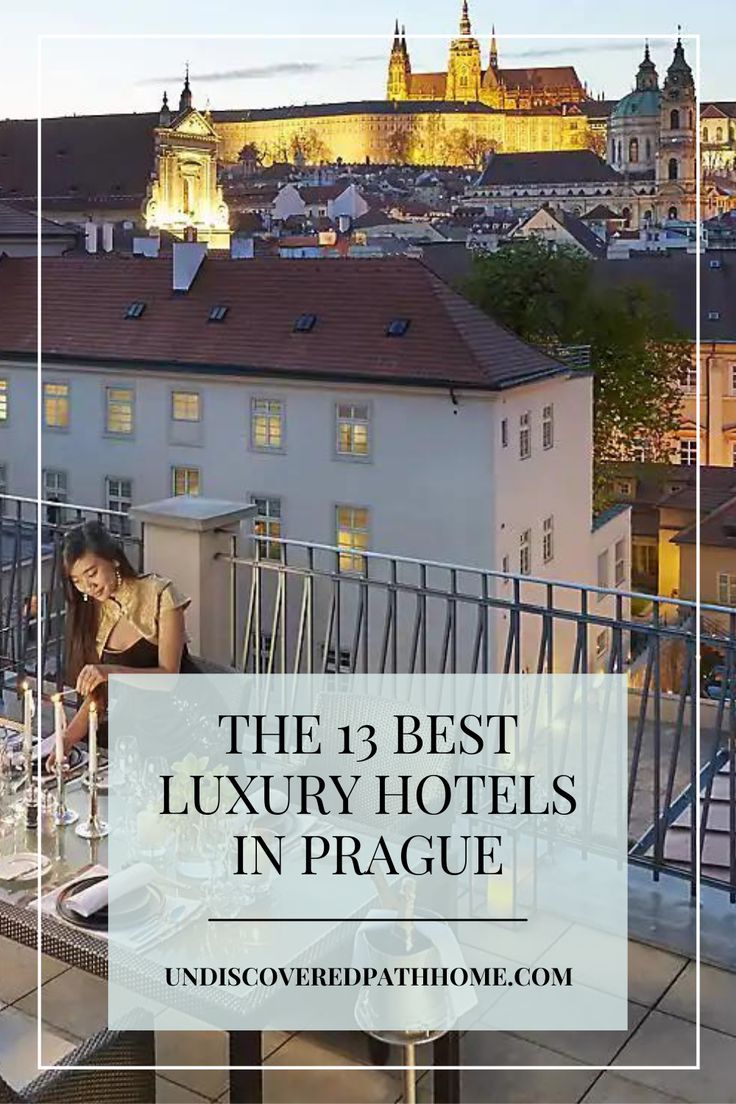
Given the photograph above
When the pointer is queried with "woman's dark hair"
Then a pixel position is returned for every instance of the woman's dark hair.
(82, 618)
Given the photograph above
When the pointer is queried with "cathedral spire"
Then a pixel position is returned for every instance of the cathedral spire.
(396, 42)
(403, 41)
(164, 115)
(646, 77)
(465, 20)
(185, 100)
(494, 49)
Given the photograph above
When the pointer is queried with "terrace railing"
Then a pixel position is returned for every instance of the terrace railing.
(303, 607)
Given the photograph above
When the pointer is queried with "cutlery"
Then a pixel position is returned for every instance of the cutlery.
(171, 915)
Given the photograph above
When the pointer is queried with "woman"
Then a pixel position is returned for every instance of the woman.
(118, 622)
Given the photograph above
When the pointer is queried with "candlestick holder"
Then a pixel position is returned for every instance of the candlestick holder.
(93, 828)
(63, 815)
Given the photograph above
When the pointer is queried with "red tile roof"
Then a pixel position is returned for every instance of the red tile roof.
(449, 342)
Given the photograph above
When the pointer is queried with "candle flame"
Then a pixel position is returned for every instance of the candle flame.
(56, 698)
(92, 707)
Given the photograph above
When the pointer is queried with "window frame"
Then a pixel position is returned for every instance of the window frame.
(352, 568)
(525, 435)
(361, 458)
(619, 562)
(188, 468)
(689, 446)
(4, 400)
(53, 427)
(174, 391)
(525, 552)
(267, 449)
(548, 426)
(729, 589)
(123, 434)
(119, 526)
(548, 539)
(269, 519)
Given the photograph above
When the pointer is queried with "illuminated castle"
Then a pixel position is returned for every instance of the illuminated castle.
(468, 81)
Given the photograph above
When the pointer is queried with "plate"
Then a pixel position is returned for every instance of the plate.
(7, 862)
(146, 903)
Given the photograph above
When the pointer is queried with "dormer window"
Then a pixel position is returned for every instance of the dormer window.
(217, 314)
(135, 310)
(397, 327)
(305, 323)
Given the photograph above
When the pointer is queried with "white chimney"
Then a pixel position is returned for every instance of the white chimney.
(241, 249)
(90, 237)
(146, 247)
(343, 223)
(188, 257)
(107, 229)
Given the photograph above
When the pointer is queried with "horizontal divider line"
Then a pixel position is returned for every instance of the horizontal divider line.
(366, 919)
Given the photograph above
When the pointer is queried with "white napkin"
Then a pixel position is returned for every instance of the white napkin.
(97, 896)
(461, 998)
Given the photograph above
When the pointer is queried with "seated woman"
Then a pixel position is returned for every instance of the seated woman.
(117, 622)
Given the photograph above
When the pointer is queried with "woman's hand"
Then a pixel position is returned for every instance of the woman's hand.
(90, 678)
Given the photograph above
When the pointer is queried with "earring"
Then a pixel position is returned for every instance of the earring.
(85, 597)
(118, 576)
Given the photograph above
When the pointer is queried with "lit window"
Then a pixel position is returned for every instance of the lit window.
(119, 410)
(691, 379)
(56, 405)
(3, 400)
(619, 566)
(603, 569)
(185, 481)
(352, 536)
(688, 451)
(353, 430)
(185, 406)
(726, 589)
(267, 524)
(548, 427)
(525, 553)
(504, 432)
(267, 424)
(525, 435)
(548, 549)
(119, 496)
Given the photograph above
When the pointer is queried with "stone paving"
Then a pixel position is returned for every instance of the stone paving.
(661, 1031)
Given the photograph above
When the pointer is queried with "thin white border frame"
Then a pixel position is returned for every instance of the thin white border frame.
(40, 39)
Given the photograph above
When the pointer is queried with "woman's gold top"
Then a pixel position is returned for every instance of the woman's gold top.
(141, 601)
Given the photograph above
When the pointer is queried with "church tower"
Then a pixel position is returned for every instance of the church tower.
(463, 66)
(399, 68)
(491, 90)
(676, 159)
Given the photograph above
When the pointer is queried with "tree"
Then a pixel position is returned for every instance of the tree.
(548, 295)
(595, 140)
(308, 147)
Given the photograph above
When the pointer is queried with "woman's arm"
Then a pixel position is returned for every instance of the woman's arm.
(171, 637)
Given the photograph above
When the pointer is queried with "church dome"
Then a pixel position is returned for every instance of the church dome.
(638, 105)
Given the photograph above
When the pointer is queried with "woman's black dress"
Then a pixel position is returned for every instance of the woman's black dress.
(143, 654)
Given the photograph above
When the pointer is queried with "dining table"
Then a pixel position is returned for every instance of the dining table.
(72, 857)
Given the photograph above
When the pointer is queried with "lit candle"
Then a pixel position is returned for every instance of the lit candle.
(59, 726)
(27, 719)
(92, 738)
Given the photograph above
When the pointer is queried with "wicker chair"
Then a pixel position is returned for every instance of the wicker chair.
(111, 1086)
